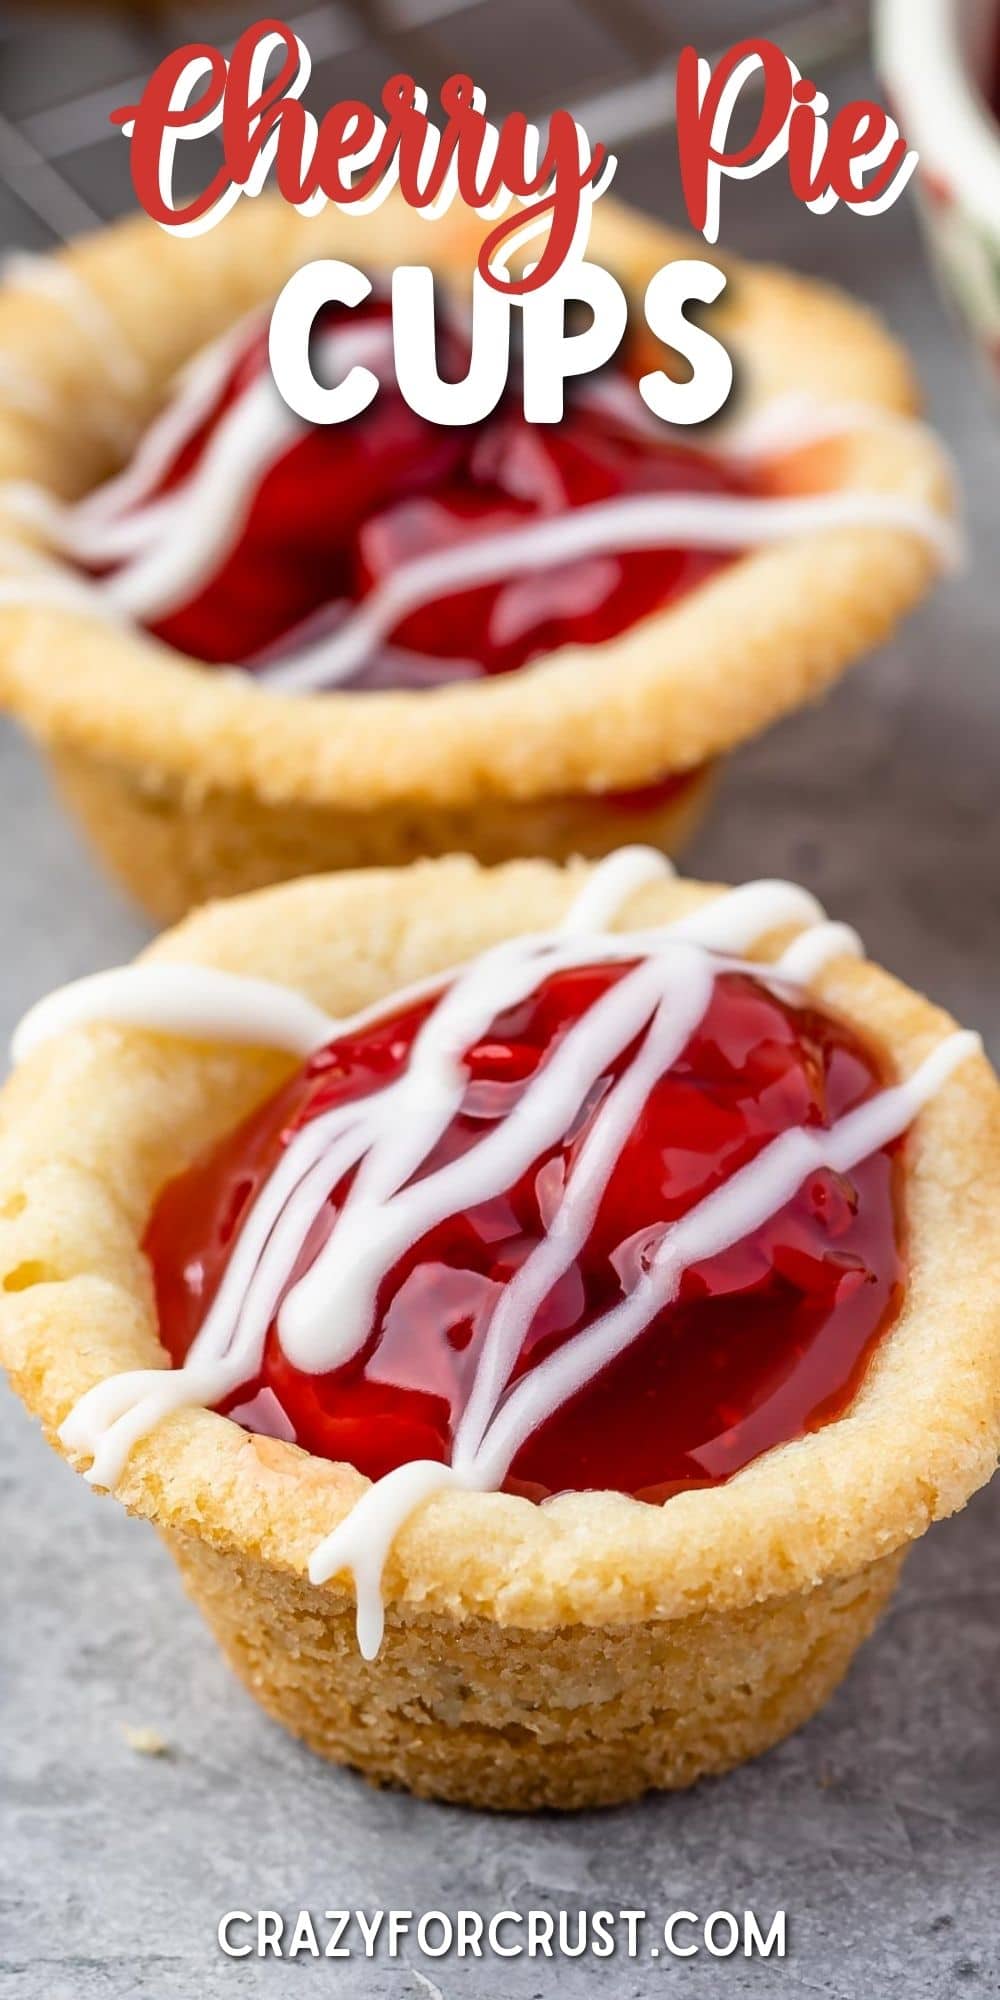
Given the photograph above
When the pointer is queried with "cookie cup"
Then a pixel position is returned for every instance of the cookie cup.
(567, 1654)
(173, 851)
(195, 781)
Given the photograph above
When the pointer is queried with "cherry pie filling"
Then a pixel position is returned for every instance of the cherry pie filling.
(341, 507)
(761, 1345)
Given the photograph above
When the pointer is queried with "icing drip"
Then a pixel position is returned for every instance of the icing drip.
(386, 1139)
(123, 370)
(163, 540)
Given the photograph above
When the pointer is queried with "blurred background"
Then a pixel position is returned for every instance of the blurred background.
(878, 1826)
(63, 68)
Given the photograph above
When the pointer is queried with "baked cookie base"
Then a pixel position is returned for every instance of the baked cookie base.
(476, 1713)
(172, 849)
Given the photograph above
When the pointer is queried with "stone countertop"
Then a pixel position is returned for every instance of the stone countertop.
(878, 1827)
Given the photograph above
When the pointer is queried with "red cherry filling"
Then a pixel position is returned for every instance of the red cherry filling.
(342, 506)
(763, 1343)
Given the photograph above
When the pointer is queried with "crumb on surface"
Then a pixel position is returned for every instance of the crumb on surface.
(145, 1742)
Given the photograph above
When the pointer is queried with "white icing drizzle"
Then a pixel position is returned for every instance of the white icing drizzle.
(23, 392)
(207, 1005)
(160, 551)
(805, 957)
(389, 1135)
(197, 385)
(795, 421)
(121, 367)
(167, 548)
(629, 522)
(789, 422)
(56, 280)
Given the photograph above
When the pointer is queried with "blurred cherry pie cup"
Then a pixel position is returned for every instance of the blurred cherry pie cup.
(256, 649)
(941, 62)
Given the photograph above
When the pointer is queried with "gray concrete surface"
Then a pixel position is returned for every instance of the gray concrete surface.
(878, 1827)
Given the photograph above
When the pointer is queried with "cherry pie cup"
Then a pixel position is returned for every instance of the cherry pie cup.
(250, 667)
(600, 1528)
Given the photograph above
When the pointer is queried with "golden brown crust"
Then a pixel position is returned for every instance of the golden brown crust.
(762, 636)
(93, 1124)
(171, 857)
(495, 1716)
